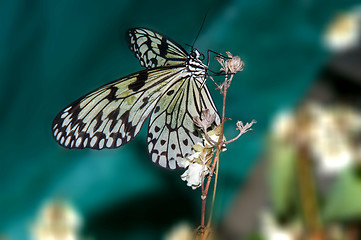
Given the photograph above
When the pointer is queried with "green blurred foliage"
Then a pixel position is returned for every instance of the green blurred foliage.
(342, 204)
(281, 176)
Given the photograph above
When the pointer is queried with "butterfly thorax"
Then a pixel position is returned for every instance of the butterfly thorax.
(194, 63)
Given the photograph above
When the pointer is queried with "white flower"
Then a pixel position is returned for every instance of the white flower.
(195, 174)
(198, 164)
(184, 162)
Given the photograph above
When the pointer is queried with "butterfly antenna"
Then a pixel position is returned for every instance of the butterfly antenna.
(200, 29)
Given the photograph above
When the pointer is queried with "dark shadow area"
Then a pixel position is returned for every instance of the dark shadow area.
(154, 213)
(339, 81)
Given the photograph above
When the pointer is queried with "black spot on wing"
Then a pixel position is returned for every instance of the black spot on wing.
(129, 128)
(125, 119)
(139, 82)
(98, 120)
(157, 108)
(145, 101)
(111, 96)
(150, 135)
(154, 61)
(148, 42)
(163, 46)
(114, 114)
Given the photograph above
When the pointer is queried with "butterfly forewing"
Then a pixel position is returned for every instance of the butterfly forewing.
(113, 114)
(154, 49)
(171, 132)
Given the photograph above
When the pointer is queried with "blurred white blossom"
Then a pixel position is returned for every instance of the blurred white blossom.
(182, 231)
(283, 125)
(271, 230)
(329, 133)
(344, 32)
(57, 220)
(330, 146)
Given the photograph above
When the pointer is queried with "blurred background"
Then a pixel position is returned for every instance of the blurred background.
(295, 176)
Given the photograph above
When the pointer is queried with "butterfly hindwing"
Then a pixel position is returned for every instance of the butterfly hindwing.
(171, 132)
(113, 114)
(154, 49)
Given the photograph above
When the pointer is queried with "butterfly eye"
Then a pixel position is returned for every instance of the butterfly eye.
(193, 54)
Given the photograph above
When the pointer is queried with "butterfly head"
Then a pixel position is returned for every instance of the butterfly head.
(196, 54)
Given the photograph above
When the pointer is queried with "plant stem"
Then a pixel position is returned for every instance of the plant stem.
(204, 200)
(215, 163)
(308, 195)
(214, 193)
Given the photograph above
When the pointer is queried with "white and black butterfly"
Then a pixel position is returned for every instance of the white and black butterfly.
(171, 90)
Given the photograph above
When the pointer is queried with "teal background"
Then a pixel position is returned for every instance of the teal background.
(52, 52)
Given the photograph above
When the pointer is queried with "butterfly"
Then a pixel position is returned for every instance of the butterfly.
(170, 91)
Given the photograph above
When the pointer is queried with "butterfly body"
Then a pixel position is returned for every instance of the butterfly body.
(170, 91)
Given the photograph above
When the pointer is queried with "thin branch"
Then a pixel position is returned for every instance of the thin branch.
(242, 129)
(214, 194)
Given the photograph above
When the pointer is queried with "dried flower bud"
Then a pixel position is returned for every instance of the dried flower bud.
(233, 64)
(206, 119)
